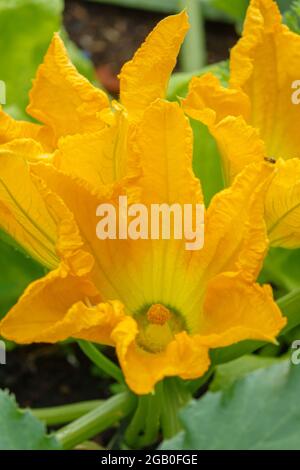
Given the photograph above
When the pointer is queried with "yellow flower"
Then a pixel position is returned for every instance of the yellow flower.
(254, 118)
(67, 104)
(162, 307)
(169, 305)
(81, 133)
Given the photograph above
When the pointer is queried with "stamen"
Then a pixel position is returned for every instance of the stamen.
(158, 314)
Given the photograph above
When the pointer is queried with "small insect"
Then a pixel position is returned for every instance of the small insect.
(270, 160)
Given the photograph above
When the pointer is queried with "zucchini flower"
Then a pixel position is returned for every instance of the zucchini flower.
(159, 305)
(256, 117)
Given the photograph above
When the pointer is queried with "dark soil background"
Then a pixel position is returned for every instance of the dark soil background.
(43, 375)
(51, 375)
(110, 35)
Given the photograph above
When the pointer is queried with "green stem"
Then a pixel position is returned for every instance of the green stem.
(101, 361)
(174, 396)
(193, 52)
(144, 427)
(152, 422)
(66, 413)
(137, 423)
(97, 420)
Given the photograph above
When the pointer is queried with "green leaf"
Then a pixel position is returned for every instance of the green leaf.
(207, 161)
(234, 9)
(292, 17)
(281, 269)
(284, 5)
(179, 82)
(19, 19)
(17, 271)
(258, 412)
(227, 374)
(20, 430)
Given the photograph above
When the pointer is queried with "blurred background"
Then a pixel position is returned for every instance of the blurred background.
(100, 36)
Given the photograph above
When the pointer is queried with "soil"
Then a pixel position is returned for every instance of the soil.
(110, 35)
(43, 375)
(51, 375)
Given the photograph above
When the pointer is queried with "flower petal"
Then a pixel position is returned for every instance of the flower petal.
(113, 265)
(145, 77)
(236, 310)
(63, 99)
(263, 21)
(164, 146)
(29, 149)
(235, 238)
(235, 228)
(44, 313)
(225, 111)
(239, 145)
(100, 157)
(185, 357)
(106, 317)
(24, 214)
(264, 64)
(283, 205)
(209, 102)
(11, 129)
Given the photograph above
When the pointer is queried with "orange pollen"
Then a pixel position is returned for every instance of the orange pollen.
(158, 314)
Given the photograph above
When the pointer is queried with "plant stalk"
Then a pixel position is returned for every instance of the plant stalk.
(174, 396)
(193, 52)
(101, 361)
(66, 413)
(97, 420)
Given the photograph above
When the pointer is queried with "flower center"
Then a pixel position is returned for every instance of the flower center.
(158, 314)
(157, 327)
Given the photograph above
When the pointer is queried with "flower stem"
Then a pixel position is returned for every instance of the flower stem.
(137, 423)
(144, 427)
(101, 361)
(174, 396)
(152, 422)
(97, 420)
(193, 52)
(66, 413)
